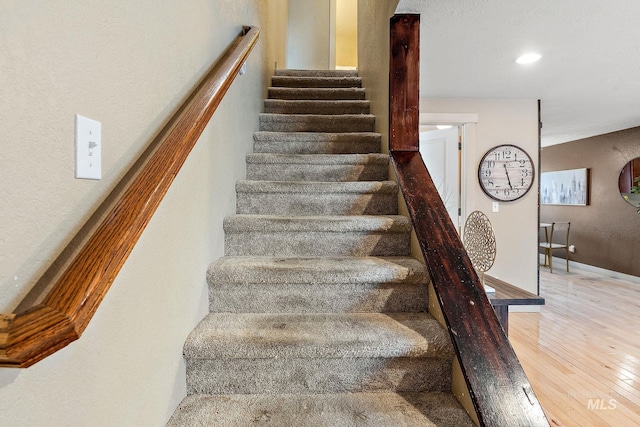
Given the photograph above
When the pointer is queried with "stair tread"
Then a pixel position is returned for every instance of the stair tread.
(316, 93)
(328, 102)
(317, 285)
(317, 122)
(324, 117)
(314, 270)
(357, 187)
(311, 410)
(317, 167)
(326, 223)
(318, 159)
(316, 81)
(313, 136)
(320, 73)
(320, 106)
(316, 142)
(316, 89)
(317, 335)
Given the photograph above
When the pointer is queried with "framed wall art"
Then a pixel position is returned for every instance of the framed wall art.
(565, 187)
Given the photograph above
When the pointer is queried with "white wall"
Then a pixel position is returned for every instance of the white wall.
(128, 65)
(373, 58)
(278, 15)
(309, 34)
(321, 34)
(501, 121)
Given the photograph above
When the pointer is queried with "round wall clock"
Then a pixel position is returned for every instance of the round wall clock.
(506, 173)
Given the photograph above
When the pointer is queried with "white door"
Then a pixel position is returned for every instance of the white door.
(439, 149)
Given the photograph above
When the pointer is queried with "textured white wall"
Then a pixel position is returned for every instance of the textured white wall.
(128, 65)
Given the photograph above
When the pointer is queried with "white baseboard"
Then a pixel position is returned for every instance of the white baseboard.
(561, 263)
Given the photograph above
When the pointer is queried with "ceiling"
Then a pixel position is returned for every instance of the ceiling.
(588, 79)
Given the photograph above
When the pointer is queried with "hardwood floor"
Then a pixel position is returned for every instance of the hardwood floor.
(582, 351)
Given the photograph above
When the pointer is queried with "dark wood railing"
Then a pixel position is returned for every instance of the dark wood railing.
(64, 313)
(498, 387)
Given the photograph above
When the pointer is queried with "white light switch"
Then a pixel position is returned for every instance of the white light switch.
(495, 207)
(88, 148)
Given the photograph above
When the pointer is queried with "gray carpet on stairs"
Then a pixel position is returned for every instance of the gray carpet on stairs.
(318, 313)
(319, 168)
(324, 198)
(317, 285)
(337, 106)
(313, 410)
(316, 93)
(316, 142)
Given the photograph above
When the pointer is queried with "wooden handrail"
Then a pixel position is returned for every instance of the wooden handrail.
(498, 387)
(62, 316)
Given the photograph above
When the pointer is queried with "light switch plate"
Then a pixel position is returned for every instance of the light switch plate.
(88, 148)
(495, 206)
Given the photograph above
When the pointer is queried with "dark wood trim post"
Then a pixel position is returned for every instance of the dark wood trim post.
(404, 81)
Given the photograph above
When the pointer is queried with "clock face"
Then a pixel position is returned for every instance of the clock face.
(506, 173)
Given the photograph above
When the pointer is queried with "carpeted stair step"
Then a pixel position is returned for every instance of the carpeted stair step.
(316, 81)
(316, 143)
(315, 73)
(320, 285)
(315, 93)
(317, 198)
(319, 167)
(362, 235)
(317, 122)
(251, 353)
(289, 106)
(328, 410)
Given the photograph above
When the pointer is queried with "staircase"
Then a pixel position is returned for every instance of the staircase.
(318, 314)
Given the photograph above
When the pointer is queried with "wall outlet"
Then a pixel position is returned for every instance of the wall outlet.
(88, 148)
(572, 249)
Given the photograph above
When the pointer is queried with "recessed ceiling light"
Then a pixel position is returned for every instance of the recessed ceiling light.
(443, 127)
(528, 58)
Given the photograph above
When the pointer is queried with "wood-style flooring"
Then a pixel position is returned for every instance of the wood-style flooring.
(582, 351)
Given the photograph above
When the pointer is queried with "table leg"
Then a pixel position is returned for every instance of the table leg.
(502, 312)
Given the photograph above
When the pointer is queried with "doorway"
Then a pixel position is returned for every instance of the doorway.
(345, 49)
(441, 150)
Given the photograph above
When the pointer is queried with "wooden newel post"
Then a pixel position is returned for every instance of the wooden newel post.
(404, 80)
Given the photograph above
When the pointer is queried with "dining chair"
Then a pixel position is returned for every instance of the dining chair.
(563, 231)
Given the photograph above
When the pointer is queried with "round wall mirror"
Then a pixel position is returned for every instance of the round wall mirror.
(629, 182)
